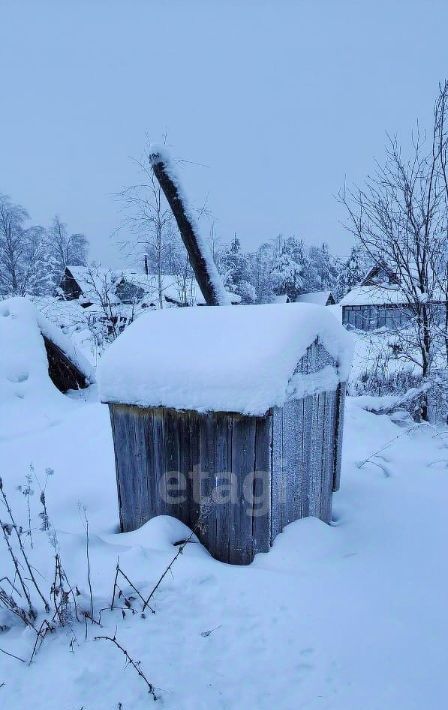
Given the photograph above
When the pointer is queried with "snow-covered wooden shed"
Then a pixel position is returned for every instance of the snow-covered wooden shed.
(31, 344)
(320, 298)
(229, 419)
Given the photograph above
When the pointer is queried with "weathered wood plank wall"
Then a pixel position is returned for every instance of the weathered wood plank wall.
(307, 439)
(236, 480)
(212, 471)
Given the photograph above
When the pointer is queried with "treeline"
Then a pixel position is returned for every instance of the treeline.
(281, 266)
(286, 266)
(277, 267)
(33, 257)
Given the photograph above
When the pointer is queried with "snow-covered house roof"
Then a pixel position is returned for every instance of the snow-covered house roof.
(94, 282)
(173, 289)
(227, 358)
(321, 298)
(373, 295)
(380, 273)
(385, 296)
(281, 298)
(36, 360)
(128, 286)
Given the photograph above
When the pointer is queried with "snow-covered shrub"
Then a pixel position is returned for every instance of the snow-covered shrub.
(438, 398)
(382, 370)
(24, 594)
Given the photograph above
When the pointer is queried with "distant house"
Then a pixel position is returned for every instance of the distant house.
(133, 287)
(380, 275)
(69, 286)
(281, 298)
(379, 302)
(87, 284)
(127, 287)
(321, 298)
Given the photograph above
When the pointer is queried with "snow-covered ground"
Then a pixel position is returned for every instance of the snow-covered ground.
(351, 615)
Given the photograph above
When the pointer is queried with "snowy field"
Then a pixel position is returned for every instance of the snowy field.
(351, 615)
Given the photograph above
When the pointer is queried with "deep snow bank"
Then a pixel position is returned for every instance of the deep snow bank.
(28, 398)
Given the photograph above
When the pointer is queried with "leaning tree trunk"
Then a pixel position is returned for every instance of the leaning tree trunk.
(201, 260)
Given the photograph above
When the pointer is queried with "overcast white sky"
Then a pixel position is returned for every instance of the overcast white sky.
(279, 99)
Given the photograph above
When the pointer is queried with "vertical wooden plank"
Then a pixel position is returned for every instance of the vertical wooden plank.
(312, 457)
(297, 500)
(339, 425)
(324, 399)
(320, 463)
(276, 472)
(307, 454)
(315, 454)
(194, 467)
(175, 477)
(261, 520)
(118, 436)
(129, 442)
(157, 463)
(328, 457)
(302, 468)
(206, 480)
(223, 485)
(292, 450)
(243, 464)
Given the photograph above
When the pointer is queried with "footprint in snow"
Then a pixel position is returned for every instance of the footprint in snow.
(21, 377)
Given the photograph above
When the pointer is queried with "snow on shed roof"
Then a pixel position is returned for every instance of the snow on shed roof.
(226, 358)
(27, 394)
(27, 318)
(318, 297)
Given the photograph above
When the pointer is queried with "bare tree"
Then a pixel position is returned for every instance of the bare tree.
(150, 220)
(23, 252)
(441, 143)
(400, 218)
(12, 245)
(107, 321)
(66, 249)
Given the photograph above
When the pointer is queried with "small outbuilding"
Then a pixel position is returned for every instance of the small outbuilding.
(89, 285)
(28, 340)
(320, 298)
(372, 307)
(380, 302)
(229, 419)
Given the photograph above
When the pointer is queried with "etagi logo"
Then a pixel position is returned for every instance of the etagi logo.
(225, 488)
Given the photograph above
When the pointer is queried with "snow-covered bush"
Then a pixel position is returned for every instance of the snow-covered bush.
(382, 370)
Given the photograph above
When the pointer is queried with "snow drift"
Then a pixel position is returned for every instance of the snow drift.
(28, 397)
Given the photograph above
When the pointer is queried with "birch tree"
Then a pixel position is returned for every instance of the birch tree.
(66, 249)
(23, 253)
